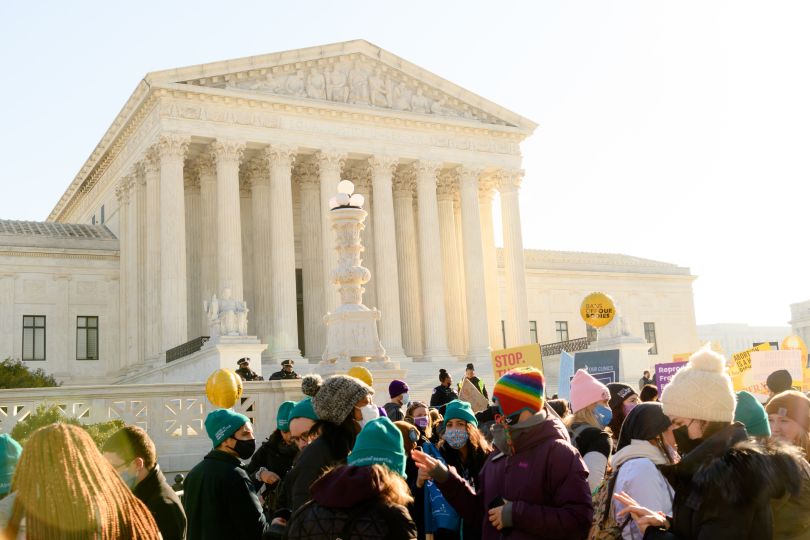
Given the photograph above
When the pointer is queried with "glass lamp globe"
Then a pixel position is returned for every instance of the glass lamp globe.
(346, 186)
(357, 200)
(342, 199)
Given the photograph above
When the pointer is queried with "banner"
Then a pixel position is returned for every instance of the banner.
(665, 372)
(566, 374)
(682, 357)
(763, 363)
(505, 360)
(602, 365)
(741, 361)
(473, 396)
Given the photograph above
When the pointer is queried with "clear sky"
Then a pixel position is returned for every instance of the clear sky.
(676, 131)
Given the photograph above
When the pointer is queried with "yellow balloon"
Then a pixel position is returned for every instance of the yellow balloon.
(223, 388)
(795, 343)
(597, 309)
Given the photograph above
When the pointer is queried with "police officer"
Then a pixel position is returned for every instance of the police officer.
(286, 372)
(245, 372)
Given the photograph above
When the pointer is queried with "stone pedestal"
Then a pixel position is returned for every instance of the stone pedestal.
(383, 373)
(634, 357)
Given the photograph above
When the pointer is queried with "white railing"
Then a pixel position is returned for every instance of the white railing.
(172, 414)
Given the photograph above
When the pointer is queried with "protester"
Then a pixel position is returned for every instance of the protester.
(245, 372)
(10, 451)
(302, 419)
(443, 394)
(365, 498)
(286, 371)
(750, 413)
(64, 489)
(437, 423)
(645, 442)
(343, 406)
(648, 393)
(465, 449)
(398, 391)
(132, 454)
(789, 416)
(779, 381)
(418, 415)
(589, 423)
(274, 459)
(535, 485)
(218, 495)
(725, 482)
(469, 374)
(645, 379)
(560, 407)
(622, 400)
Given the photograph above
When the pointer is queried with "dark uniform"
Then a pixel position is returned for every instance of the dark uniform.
(281, 375)
(248, 374)
(442, 395)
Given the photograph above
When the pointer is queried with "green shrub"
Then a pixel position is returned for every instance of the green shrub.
(15, 374)
(49, 414)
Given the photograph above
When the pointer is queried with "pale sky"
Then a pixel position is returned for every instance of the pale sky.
(675, 131)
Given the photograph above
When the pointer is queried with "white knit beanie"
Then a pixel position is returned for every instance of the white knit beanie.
(701, 390)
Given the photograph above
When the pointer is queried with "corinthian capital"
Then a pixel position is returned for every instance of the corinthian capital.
(448, 183)
(427, 169)
(173, 145)
(206, 165)
(280, 156)
(225, 150)
(330, 161)
(404, 181)
(470, 176)
(151, 161)
(510, 179)
(382, 164)
(256, 172)
(306, 172)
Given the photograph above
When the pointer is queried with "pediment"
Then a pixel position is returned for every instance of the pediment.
(354, 73)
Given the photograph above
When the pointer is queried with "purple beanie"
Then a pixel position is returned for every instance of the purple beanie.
(397, 388)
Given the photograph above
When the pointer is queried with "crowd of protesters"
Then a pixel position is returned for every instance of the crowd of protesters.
(614, 461)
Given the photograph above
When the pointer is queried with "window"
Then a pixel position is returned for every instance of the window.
(102, 214)
(503, 333)
(533, 332)
(561, 327)
(649, 335)
(86, 338)
(593, 333)
(33, 337)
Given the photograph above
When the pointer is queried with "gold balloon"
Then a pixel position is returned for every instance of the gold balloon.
(795, 343)
(597, 309)
(223, 388)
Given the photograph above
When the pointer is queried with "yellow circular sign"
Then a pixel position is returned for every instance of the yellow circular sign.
(223, 388)
(795, 343)
(597, 309)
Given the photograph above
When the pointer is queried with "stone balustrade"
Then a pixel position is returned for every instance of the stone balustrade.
(172, 414)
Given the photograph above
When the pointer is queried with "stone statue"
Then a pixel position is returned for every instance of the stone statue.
(226, 316)
(380, 96)
(419, 103)
(402, 97)
(212, 316)
(316, 85)
(295, 84)
(336, 85)
(358, 86)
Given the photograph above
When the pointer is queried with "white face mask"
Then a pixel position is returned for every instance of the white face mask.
(406, 399)
(369, 413)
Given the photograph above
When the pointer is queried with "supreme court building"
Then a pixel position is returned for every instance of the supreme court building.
(219, 176)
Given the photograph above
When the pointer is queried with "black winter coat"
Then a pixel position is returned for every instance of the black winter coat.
(311, 464)
(349, 494)
(220, 501)
(724, 487)
(442, 395)
(163, 503)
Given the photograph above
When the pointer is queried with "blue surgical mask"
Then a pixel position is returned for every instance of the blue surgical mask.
(456, 437)
(129, 479)
(406, 399)
(603, 415)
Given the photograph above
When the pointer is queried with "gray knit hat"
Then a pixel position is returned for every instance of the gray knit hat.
(336, 398)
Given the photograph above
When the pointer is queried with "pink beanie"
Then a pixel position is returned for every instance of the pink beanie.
(585, 390)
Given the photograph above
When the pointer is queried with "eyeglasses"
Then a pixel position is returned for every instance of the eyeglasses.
(306, 436)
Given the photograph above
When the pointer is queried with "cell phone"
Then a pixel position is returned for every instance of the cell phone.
(496, 502)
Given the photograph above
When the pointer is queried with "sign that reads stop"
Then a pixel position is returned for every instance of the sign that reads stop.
(516, 357)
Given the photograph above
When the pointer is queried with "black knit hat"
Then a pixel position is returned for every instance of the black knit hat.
(779, 381)
(645, 422)
(618, 393)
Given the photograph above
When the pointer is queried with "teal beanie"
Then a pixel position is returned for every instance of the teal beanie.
(459, 410)
(303, 409)
(283, 415)
(752, 414)
(10, 451)
(379, 442)
(223, 423)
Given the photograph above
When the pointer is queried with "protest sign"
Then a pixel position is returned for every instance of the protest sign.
(665, 372)
(504, 360)
(602, 365)
(742, 360)
(682, 357)
(473, 396)
(763, 363)
(597, 309)
(566, 374)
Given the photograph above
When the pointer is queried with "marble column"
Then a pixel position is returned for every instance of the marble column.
(477, 327)
(207, 174)
(453, 291)
(248, 277)
(330, 165)
(311, 256)
(194, 241)
(151, 170)
(172, 150)
(284, 344)
(261, 207)
(228, 155)
(385, 249)
(517, 313)
(430, 264)
(133, 293)
(8, 336)
(140, 263)
(360, 174)
(486, 192)
(460, 265)
(122, 196)
(410, 306)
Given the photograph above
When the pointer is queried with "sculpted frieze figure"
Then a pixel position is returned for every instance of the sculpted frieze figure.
(226, 316)
(337, 88)
(358, 85)
(316, 85)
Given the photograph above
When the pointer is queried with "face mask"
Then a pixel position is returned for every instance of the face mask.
(629, 407)
(129, 479)
(244, 449)
(421, 422)
(406, 399)
(603, 415)
(456, 437)
(369, 413)
(682, 440)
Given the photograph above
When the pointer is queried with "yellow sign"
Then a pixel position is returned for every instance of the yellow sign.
(793, 343)
(682, 357)
(516, 357)
(741, 362)
(597, 309)
(223, 388)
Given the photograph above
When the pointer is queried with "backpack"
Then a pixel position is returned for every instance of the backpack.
(604, 525)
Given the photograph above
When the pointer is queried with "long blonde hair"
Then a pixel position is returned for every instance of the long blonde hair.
(66, 490)
(585, 416)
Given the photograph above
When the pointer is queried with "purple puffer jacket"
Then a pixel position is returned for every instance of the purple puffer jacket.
(546, 482)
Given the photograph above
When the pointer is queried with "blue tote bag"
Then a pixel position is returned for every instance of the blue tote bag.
(438, 512)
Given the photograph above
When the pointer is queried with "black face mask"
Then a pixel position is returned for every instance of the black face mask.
(244, 449)
(685, 444)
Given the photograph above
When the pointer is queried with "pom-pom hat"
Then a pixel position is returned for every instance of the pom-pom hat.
(701, 390)
(519, 390)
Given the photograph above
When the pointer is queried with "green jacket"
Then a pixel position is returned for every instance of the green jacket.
(220, 501)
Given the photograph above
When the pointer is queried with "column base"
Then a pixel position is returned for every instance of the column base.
(479, 356)
(398, 355)
(276, 357)
(438, 357)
